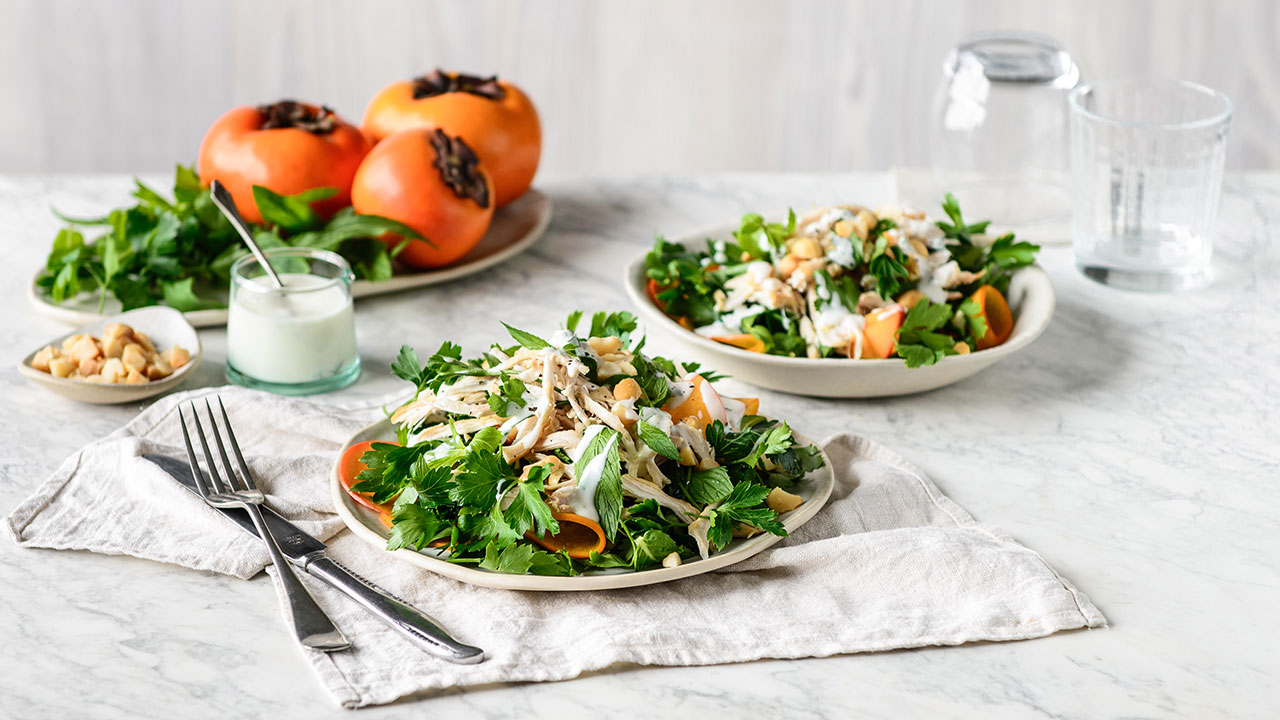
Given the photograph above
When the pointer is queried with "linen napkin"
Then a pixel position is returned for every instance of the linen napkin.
(890, 562)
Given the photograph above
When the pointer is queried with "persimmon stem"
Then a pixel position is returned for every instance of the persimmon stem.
(292, 114)
(459, 168)
(439, 82)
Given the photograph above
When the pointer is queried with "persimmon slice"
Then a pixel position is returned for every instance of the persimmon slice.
(746, 341)
(578, 536)
(349, 467)
(995, 310)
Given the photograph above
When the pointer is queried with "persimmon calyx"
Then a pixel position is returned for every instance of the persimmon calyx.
(439, 82)
(293, 114)
(459, 168)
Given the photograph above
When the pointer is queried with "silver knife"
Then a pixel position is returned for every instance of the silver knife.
(308, 553)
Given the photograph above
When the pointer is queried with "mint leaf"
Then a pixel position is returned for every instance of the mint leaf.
(651, 548)
(658, 441)
(708, 486)
(609, 488)
(528, 340)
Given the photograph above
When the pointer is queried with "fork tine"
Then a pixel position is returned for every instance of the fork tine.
(222, 450)
(208, 456)
(235, 448)
(191, 457)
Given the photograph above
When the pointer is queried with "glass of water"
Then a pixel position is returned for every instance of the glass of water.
(1146, 175)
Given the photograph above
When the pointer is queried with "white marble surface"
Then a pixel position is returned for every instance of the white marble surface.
(1132, 445)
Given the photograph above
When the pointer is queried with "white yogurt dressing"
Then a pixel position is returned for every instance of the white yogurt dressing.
(291, 337)
(583, 502)
(730, 323)
(678, 392)
(841, 252)
(836, 327)
(734, 410)
(826, 220)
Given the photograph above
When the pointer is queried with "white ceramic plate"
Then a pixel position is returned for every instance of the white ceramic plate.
(165, 326)
(514, 228)
(1030, 298)
(815, 488)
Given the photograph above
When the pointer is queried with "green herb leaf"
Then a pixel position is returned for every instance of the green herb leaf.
(292, 213)
(658, 441)
(651, 548)
(708, 486)
(528, 340)
(413, 527)
(179, 295)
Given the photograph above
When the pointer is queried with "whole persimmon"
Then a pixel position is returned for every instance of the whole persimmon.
(433, 183)
(286, 147)
(495, 118)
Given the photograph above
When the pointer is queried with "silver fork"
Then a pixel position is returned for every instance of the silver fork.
(312, 626)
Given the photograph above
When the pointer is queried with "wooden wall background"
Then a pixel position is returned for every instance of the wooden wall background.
(623, 87)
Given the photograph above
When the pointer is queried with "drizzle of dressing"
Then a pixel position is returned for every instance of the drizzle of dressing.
(836, 327)
(583, 502)
(679, 391)
(734, 410)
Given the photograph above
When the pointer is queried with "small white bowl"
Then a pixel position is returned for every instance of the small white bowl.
(1030, 298)
(165, 326)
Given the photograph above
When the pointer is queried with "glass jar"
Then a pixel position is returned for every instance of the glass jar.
(1000, 141)
(1147, 156)
(298, 339)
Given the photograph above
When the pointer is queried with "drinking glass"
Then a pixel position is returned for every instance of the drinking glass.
(1146, 167)
(1000, 143)
(297, 339)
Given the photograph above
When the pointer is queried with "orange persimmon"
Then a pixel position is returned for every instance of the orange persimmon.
(879, 337)
(746, 341)
(494, 117)
(349, 467)
(995, 310)
(434, 184)
(286, 147)
(578, 536)
(703, 404)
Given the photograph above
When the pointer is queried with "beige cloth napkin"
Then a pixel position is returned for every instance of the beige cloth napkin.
(890, 562)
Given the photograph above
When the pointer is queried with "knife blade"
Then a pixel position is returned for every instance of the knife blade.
(308, 553)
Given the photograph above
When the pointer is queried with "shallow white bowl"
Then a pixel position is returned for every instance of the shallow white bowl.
(1030, 298)
(814, 489)
(165, 326)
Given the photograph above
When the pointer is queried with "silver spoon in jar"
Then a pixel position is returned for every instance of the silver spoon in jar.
(227, 205)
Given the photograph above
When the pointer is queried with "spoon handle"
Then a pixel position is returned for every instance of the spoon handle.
(227, 205)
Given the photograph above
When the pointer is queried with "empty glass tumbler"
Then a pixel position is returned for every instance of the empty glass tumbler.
(1146, 166)
(1000, 139)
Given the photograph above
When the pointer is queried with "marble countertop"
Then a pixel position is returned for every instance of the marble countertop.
(1133, 446)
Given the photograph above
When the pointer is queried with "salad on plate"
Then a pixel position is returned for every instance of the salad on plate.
(574, 453)
(845, 282)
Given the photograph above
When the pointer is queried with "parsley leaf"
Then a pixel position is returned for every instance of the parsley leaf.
(413, 527)
(774, 440)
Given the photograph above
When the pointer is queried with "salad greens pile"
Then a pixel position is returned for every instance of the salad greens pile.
(658, 482)
(799, 305)
(179, 252)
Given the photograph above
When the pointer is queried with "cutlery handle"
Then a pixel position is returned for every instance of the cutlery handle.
(395, 612)
(312, 626)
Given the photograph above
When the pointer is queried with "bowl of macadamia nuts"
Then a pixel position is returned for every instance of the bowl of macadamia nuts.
(120, 359)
